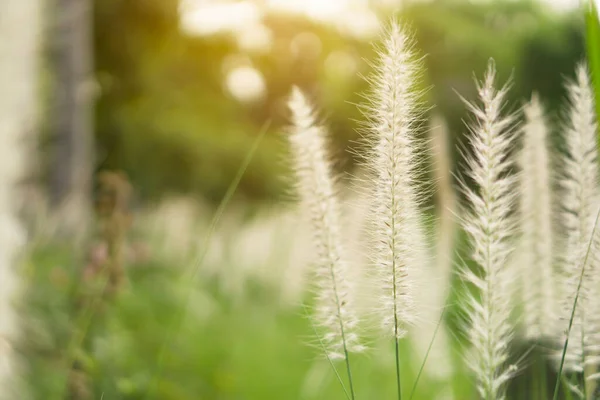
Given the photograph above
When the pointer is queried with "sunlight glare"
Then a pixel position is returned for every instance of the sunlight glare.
(205, 18)
(323, 10)
(246, 84)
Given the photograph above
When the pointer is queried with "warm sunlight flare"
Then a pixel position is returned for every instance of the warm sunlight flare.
(245, 84)
(353, 17)
(317, 9)
(205, 17)
(209, 17)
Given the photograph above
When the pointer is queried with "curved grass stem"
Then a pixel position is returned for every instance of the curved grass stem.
(190, 280)
(337, 374)
(437, 327)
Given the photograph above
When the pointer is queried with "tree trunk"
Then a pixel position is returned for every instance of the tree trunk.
(71, 110)
(19, 40)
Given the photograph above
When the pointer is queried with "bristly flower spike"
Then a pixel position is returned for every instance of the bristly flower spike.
(335, 313)
(396, 232)
(536, 258)
(392, 160)
(580, 204)
(489, 225)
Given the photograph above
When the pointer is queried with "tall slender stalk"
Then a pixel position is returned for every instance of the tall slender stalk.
(579, 201)
(592, 18)
(342, 334)
(397, 235)
(435, 332)
(398, 379)
(189, 277)
(315, 182)
(337, 374)
(536, 250)
(489, 225)
(575, 301)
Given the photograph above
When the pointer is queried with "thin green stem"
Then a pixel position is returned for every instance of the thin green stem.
(343, 333)
(568, 332)
(398, 381)
(542, 377)
(84, 322)
(437, 327)
(190, 280)
(583, 350)
(392, 225)
(395, 296)
(337, 374)
(349, 371)
(396, 325)
(568, 395)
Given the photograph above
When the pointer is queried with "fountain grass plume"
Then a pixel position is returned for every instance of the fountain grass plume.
(397, 236)
(579, 201)
(489, 224)
(536, 244)
(334, 315)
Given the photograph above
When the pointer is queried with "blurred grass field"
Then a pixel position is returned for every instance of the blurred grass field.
(239, 330)
(227, 348)
(245, 335)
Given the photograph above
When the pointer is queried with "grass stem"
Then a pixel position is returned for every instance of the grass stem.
(349, 370)
(398, 380)
(437, 327)
(337, 374)
(190, 280)
(568, 332)
(541, 371)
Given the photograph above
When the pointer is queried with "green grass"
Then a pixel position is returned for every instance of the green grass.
(224, 350)
(593, 47)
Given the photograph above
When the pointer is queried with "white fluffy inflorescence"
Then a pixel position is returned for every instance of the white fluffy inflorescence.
(396, 230)
(489, 224)
(316, 187)
(580, 207)
(536, 244)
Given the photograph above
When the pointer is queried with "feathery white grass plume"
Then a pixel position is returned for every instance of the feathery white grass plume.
(433, 275)
(536, 241)
(398, 238)
(446, 202)
(580, 205)
(489, 224)
(316, 187)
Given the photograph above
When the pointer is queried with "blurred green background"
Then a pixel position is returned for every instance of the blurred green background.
(178, 108)
(181, 92)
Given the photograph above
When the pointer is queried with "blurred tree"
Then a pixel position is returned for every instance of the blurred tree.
(20, 27)
(70, 114)
(166, 118)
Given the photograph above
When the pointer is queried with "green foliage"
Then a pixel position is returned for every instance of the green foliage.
(593, 47)
(162, 116)
(165, 117)
(225, 350)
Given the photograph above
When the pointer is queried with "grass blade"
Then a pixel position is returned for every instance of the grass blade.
(191, 278)
(337, 374)
(593, 47)
(568, 332)
(437, 327)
